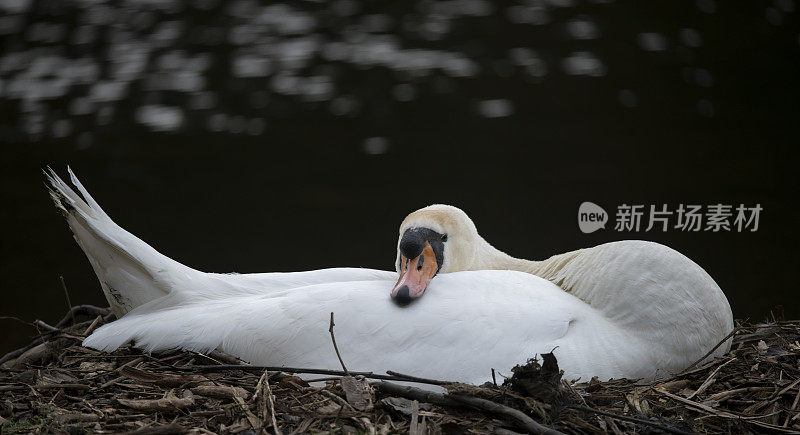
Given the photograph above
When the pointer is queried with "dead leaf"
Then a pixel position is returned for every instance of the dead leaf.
(220, 391)
(330, 408)
(357, 393)
(165, 379)
(402, 405)
(166, 404)
(96, 366)
(288, 382)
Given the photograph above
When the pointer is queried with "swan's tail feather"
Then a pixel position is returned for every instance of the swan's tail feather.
(163, 324)
(130, 271)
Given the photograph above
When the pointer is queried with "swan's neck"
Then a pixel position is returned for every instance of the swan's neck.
(490, 257)
(503, 261)
(493, 258)
(550, 269)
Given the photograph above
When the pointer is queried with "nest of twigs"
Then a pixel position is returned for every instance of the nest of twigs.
(55, 385)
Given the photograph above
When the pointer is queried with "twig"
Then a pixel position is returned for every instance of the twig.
(262, 387)
(794, 406)
(412, 393)
(111, 382)
(710, 379)
(37, 341)
(254, 421)
(24, 322)
(93, 325)
(40, 324)
(343, 403)
(735, 330)
(719, 397)
(219, 357)
(413, 427)
(323, 379)
(336, 348)
(370, 375)
(82, 309)
(574, 391)
(56, 386)
(271, 401)
(17, 352)
(131, 363)
(630, 419)
(725, 414)
(494, 378)
(172, 428)
(777, 395)
(44, 387)
(417, 379)
(165, 404)
(697, 405)
(66, 293)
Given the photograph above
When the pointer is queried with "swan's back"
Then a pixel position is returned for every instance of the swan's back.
(649, 289)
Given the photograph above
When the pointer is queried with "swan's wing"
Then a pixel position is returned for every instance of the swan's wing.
(461, 330)
(466, 324)
(648, 288)
(246, 325)
(234, 284)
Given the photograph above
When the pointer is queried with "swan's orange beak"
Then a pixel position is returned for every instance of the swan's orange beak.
(415, 274)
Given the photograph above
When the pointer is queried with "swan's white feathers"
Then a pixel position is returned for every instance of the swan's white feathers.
(646, 285)
(130, 271)
(442, 338)
(458, 336)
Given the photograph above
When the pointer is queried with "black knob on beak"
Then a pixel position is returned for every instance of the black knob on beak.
(411, 246)
(414, 241)
(402, 297)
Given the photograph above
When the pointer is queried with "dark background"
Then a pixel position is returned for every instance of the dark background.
(250, 137)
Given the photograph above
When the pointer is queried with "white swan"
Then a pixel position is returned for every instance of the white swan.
(468, 323)
(649, 290)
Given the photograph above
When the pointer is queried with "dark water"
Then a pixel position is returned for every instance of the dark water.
(249, 137)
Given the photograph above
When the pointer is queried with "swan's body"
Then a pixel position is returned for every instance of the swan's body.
(453, 335)
(662, 314)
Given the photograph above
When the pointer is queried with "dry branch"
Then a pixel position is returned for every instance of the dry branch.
(166, 404)
(412, 393)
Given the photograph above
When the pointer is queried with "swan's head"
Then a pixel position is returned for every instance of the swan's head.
(435, 239)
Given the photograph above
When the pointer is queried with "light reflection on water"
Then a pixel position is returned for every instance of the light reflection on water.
(93, 57)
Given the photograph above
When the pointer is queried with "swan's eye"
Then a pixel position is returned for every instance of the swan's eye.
(444, 238)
